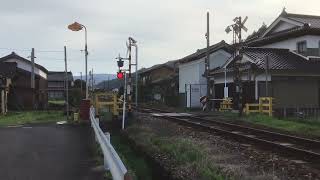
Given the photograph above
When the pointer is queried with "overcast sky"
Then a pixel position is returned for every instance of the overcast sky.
(165, 29)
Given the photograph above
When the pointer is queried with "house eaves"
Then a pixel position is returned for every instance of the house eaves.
(202, 52)
(13, 55)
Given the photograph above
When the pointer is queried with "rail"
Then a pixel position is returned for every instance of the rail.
(112, 160)
(304, 149)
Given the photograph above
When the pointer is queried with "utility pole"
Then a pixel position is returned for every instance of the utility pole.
(133, 42)
(210, 91)
(129, 80)
(124, 100)
(137, 73)
(66, 81)
(86, 58)
(267, 74)
(92, 82)
(32, 77)
(89, 82)
(81, 83)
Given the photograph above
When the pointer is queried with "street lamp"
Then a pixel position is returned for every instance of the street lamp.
(77, 27)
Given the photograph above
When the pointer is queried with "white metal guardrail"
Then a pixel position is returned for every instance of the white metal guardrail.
(112, 160)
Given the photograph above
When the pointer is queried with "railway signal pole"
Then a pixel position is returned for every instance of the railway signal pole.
(122, 73)
(237, 28)
(133, 43)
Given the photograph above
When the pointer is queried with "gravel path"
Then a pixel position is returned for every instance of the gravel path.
(48, 152)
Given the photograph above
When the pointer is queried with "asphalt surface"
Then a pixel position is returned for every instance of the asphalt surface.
(47, 152)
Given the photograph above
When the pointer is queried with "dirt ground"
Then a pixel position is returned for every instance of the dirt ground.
(240, 161)
(47, 152)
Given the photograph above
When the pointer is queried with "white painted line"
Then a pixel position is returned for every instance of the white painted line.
(62, 122)
(14, 126)
(252, 136)
(299, 161)
(236, 132)
(285, 144)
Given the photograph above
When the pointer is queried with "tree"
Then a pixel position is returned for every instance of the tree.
(75, 97)
(77, 84)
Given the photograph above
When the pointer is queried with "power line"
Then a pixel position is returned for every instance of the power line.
(39, 50)
(12, 49)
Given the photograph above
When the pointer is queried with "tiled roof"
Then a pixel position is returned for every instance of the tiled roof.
(283, 35)
(313, 21)
(200, 53)
(169, 64)
(311, 26)
(279, 59)
(59, 76)
(13, 55)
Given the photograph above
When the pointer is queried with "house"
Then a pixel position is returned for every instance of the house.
(21, 96)
(292, 45)
(56, 84)
(160, 83)
(192, 83)
(7, 72)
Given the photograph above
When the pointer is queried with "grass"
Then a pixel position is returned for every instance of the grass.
(186, 153)
(137, 166)
(309, 127)
(305, 127)
(183, 151)
(30, 117)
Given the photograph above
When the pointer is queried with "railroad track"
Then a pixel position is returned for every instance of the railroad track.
(294, 147)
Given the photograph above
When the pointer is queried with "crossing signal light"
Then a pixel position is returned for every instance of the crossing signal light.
(120, 75)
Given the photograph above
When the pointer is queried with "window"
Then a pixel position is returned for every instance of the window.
(302, 47)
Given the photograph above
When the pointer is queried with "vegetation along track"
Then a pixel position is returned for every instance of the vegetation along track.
(294, 147)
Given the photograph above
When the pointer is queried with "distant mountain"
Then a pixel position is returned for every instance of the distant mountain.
(111, 84)
(98, 77)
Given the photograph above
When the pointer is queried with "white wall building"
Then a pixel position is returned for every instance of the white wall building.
(192, 83)
(292, 44)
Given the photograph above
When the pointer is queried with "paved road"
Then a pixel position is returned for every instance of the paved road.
(48, 152)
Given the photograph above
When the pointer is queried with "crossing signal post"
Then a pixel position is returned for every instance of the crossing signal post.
(237, 28)
(126, 74)
(121, 74)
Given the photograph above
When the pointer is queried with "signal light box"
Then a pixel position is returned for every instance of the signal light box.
(120, 75)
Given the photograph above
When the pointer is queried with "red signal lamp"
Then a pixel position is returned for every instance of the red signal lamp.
(120, 75)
